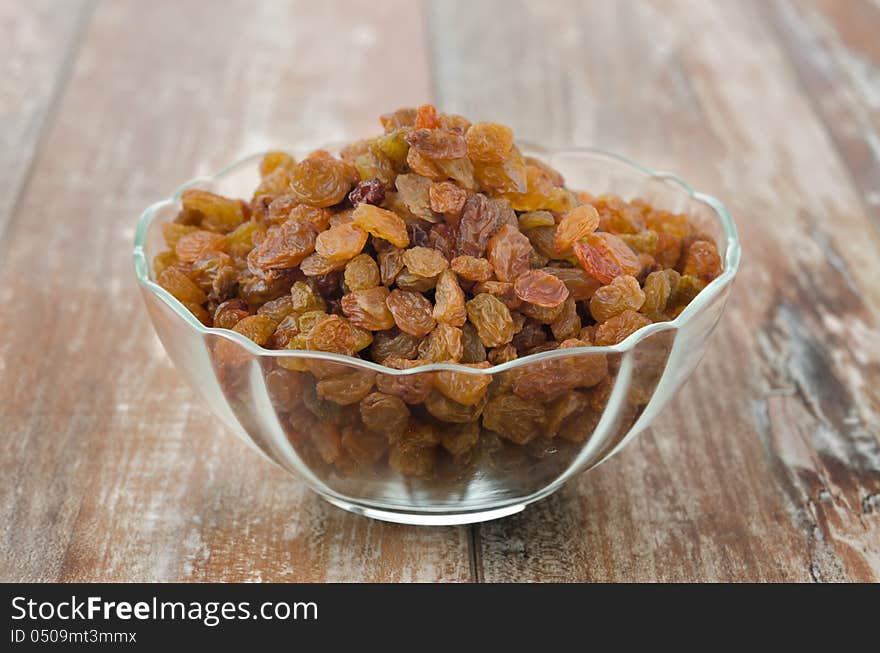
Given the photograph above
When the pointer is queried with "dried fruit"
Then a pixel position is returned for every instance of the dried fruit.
(514, 418)
(443, 345)
(491, 318)
(447, 197)
(605, 256)
(412, 312)
(480, 219)
(488, 142)
(385, 413)
(284, 246)
(437, 143)
(348, 388)
(424, 261)
(381, 223)
(449, 300)
(218, 213)
(331, 334)
(472, 268)
(361, 273)
(619, 328)
(393, 343)
(578, 223)
(367, 309)
(369, 192)
(622, 294)
(541, 289)
(341, 243)
(508, 251)
(321, 180)
(702, 260)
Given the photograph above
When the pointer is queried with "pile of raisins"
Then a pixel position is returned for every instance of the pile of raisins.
(437, 241)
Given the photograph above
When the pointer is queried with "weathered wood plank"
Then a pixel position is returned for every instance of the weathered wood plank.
(115, 471)
(39, 40)
(836, 52)
(778, 476)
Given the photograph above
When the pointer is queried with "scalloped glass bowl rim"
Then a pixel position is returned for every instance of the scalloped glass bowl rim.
(731, 265)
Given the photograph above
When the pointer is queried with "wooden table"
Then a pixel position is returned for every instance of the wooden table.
(765, 468)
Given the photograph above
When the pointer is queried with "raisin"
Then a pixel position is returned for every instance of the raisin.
(491, 318)
(315, 265)
(393, 343)
(330, 334)
(541, 289)
(622, 294)
(576, 224)
(424, 261)
(193, 246)
(619, 328)
(412, 460)
(466, 389)
(447, 410)
(361, 273)
(414, 191)
(230, 312)
(320, 180)
(531, 335)
(617, 216)
(472, 268)
(605, 256)
(370, 192)
(218, 213)
(508, 252)
(426, 117)
(348, 388)
(702, 260)
(258, 328)
(367, 309)
(580, 285)
(390, 265)
(412, 388)
(181, 286)
(449, 300)
(488, 142)
(503, 354)
(461, 439)
(274, 160)
(341, 243)
(277, 309)
(480, 219)
(568, 323)
(535, 219)
(437, 143)
(405, 117)
(443, 238)
(473, 350)
(657, 289)
(412, 312)
(514, 418)
(447, 198)
(381, 224)
(284, 246)
(443, 345)
(503, 290)
(506, 176)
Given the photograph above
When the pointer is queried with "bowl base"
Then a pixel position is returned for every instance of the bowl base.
(426, 518)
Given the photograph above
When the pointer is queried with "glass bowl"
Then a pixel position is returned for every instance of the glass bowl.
(390, 444)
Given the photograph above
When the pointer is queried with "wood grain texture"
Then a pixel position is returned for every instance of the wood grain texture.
(767, 466)
(111, 467)
(39, 41)
(836, 52)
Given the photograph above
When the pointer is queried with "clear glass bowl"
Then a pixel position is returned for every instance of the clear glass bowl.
(521, 441)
